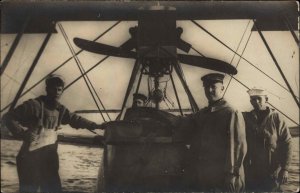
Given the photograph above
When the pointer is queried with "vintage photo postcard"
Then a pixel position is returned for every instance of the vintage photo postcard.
(149, 96)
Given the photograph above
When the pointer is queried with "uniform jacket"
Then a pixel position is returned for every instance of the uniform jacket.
(269, 142)
(219, 139)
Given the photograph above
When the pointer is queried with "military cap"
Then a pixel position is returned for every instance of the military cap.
(257, 92)
(213, 78)
(55, 79)
(139, 96)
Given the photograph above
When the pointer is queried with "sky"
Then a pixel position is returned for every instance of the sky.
(111, 77)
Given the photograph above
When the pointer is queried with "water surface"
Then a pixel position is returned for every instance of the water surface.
(79, 167)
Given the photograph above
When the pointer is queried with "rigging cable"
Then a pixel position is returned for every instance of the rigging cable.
(197, 51)
(165, 93)
(32, 67)
(16, 81)
(277, 64)
(20, 62)
(66, 61)
(149, 88)
(198, 25)
(86, 79)
(183, 81)
(164, 99)
(268, 102)
(241, 54)
(139, 81)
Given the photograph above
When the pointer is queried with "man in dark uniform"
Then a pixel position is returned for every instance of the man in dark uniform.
(218, 142)
(36, 122)
(139, 100)
(269, 145)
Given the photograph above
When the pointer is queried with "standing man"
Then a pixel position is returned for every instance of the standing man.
(269, 145)
(218, 144)
(36, 122)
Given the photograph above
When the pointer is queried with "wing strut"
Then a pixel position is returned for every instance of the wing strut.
(180, 74)
(176, 94)
(13, 46)
(139, 82)
(65, 62)
(277, 65)
(130, 85)
(33, 65)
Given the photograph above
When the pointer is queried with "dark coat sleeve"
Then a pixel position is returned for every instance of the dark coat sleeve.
(23, 117)
(76, 121)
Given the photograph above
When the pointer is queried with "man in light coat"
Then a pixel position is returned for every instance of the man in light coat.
(269, 145)
(218, 142)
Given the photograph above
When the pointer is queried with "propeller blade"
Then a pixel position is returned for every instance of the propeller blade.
(208, 63)
(104, 49)
(132, 42)
(129, 45)
(183, 45)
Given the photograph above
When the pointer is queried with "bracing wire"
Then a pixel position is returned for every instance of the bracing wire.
(268, 103)
(198, 25)
(167, 105)
(227, 86)
(65, 62)
(87, 81)
(241, 42)
(277, 64)
(94, 90)
(16, 81)
(181, 76)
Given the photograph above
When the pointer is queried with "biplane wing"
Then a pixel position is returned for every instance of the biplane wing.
(270, 15)
(39, 17)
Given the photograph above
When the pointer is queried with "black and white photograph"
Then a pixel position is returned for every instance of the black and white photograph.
(149, 96)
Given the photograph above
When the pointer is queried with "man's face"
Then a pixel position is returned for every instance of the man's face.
(213, 91)
(138, 103)
(54, 92)
(259, 102)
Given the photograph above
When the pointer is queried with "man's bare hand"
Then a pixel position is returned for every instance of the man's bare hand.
(97, 126)
(234, 183)
(31, 136)
(283, 176)
(230, 182)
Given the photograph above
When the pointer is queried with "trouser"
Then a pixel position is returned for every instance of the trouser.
(38, 170)
(210, 177)
(267, 184)
(261, 180)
